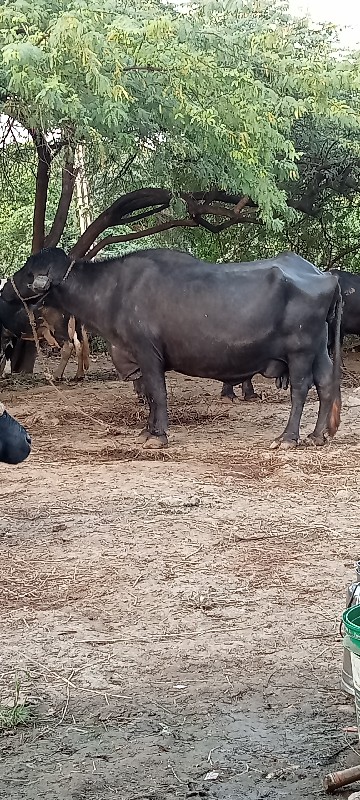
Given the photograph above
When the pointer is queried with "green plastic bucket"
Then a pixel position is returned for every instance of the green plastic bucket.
(351, 620)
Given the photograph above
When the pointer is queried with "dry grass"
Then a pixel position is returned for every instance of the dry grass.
(45, 583)
(129, 588)
(120, 413)
(113, 453)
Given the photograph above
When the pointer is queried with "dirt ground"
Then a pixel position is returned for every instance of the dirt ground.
(173, 617)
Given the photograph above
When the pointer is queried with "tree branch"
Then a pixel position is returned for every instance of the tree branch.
(46, 153)
(155, 200)
(129, 161)
(215, 210)
(128, 237)
(114, 215)
(219, 195)
(69, 173)
(199, 206)
(306, 205)
(209, 226)
(342, 253)
(143, 68)
(143, 215)
(241, 204)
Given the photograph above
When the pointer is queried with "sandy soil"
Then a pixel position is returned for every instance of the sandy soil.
(173, 617)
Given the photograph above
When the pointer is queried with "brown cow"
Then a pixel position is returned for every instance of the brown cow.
(58, 329)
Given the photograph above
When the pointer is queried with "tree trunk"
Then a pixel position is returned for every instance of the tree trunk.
(42, 184)
(69, 174)
(82, 191)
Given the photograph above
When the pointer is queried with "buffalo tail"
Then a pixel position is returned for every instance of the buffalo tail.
(334, 326)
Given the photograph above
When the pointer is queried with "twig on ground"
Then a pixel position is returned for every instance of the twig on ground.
(174, 773)
(66, 706)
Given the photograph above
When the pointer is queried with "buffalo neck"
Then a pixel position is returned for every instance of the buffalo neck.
(86, 291)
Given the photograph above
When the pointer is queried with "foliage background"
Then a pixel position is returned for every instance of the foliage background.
(236, 95)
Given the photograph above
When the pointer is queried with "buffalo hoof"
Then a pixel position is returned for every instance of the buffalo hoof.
(227, 399)
(282, 383)
(230, 400)
(315, 441)
(283, 444)
(152, 442)
(155, 442)
(251, 398)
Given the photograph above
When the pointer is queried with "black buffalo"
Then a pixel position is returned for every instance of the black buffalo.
(350, 290)
(350, 325)
(165, 310)
(15, 442)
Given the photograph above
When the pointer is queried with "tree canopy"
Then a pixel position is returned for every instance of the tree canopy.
(207, 115)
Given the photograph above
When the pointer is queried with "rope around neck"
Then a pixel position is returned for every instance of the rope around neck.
(67, 273)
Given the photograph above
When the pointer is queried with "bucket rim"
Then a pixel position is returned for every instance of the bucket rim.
(352, 628)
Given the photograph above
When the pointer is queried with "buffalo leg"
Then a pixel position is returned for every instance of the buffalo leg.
(154, 435)
(139, 390)
(248, 391)
(150, 365)
(5, 368)
(81, 343)
(301, 379)
(228, 395)
(79, 350)
(23, 357)
(282, 382)
(66, 351)
(324, 383)
(80, 372)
